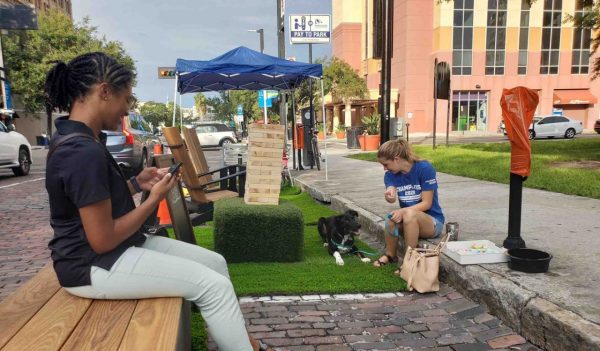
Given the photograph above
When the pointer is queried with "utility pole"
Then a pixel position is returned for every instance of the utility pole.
(281, 55)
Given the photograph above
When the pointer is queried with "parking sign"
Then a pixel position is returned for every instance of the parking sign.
(310, 29)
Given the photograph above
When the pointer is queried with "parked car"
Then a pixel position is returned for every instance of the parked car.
(502, 127)
(15, 151)
(215, 134)
(556, 126)
(597, 126)
(132, 144)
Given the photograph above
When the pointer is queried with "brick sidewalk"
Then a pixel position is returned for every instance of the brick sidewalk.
(24, 214)
(445, 321)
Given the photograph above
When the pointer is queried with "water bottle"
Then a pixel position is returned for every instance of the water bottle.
(452, 231)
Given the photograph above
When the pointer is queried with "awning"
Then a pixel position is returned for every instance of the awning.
(574, 97)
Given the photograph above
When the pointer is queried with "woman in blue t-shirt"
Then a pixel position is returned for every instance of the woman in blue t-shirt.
(413, 182)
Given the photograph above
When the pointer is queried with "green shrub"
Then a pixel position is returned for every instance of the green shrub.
(258, 233)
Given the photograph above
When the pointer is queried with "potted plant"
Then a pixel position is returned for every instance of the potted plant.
(370, 140)
(340, 131)
(321, 129)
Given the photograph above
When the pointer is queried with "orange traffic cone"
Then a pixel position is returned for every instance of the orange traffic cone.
(158, 149)
(163, 213)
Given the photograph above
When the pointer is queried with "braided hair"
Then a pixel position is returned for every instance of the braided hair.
(67, 82)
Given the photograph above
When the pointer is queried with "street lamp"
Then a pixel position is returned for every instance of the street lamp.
(262, 49)
(262, 38)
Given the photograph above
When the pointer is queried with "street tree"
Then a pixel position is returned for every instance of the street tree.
(344, 84)
(200, 103)
(29, 54)
(156, 113)
(169, 122)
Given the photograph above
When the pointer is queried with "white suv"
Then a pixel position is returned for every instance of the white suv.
(15, 151)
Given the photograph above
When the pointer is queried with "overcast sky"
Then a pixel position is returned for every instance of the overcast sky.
(157, 32)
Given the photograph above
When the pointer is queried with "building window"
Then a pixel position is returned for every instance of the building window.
(462, 38)
(582, 39)
(524, 37)
(469, 110)
(551, 36)
(495, 37)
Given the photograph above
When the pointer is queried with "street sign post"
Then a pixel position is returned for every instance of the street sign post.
(271, 95)
(310, 29)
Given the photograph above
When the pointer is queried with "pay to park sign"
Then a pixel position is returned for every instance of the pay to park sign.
(310, 29)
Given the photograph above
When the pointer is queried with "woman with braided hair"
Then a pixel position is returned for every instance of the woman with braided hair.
(98, 249)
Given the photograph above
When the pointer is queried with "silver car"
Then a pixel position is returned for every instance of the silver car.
(215, 134)
(132, 144)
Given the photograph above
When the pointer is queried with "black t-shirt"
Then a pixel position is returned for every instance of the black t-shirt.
(79, 173)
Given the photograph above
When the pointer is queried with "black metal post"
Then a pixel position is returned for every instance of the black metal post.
(407, 125)
(294, 131)
(435, 94)
(448, 117)
(386, 69)
(514, 240)
(308, 131)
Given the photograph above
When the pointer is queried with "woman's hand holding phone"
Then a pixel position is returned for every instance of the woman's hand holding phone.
(161, 188)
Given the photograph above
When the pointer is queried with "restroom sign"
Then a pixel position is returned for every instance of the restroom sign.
(310, 29)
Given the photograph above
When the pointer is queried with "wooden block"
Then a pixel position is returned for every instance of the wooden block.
(152, 325)
(19, 307)
(102, 327)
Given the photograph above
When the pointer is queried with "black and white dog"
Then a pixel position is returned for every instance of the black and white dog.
(338, 234)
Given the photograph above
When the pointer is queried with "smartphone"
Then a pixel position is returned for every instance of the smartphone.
(174, 168)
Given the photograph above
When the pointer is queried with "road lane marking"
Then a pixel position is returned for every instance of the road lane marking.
(27, 181)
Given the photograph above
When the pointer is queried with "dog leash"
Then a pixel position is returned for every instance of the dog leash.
(395, 233)
(350, 247)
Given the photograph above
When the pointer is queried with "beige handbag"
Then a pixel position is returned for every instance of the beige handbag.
(420, 268)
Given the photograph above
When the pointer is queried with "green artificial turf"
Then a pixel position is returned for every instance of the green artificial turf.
(491, 162)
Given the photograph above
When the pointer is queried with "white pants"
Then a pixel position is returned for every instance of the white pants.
(165, 267)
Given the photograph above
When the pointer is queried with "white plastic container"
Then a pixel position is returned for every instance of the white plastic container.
(475, 252)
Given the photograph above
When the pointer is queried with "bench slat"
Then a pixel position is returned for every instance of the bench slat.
(103, 326)
(18, 308)
(52, 325)
(152, 325)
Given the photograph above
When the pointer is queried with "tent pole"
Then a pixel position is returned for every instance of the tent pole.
(265, 103)
(175, 97)
(180, 113)
(324, 126)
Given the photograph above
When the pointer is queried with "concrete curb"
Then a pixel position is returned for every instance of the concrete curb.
(540, 321)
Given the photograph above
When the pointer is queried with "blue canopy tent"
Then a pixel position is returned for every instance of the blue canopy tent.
(243, 69)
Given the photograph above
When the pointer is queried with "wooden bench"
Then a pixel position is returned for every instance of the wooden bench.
(41, 315)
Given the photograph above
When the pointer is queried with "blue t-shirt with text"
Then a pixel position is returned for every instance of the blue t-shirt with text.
(421, 177)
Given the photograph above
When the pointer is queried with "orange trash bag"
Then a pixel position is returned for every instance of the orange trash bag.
(518, 107)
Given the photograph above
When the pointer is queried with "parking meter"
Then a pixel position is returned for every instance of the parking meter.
(518, 107)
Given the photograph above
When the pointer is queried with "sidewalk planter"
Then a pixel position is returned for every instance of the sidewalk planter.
(352, 137)
(369, 142)
(340, 135)
(253, 233)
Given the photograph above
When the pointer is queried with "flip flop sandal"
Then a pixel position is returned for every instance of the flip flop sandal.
(390, 260)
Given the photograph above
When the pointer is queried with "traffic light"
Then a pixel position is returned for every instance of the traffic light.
(166, 72)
